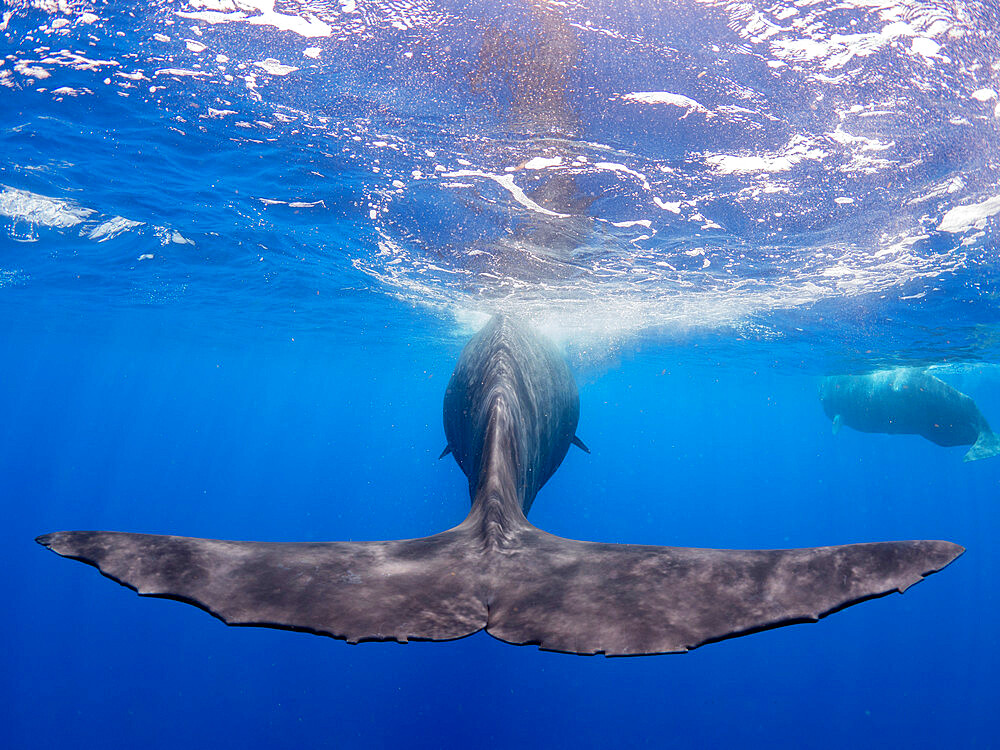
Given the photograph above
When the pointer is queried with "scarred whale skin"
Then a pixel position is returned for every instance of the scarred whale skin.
(909, 401)
(510, 415)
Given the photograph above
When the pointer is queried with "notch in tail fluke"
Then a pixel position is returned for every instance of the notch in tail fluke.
(559, 594)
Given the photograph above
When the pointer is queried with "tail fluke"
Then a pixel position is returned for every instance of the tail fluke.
(626, 599)
(359, 591)
(987, 446)
(559, 594)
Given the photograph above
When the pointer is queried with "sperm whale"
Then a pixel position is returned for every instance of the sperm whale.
(510, 415)
(910, 401)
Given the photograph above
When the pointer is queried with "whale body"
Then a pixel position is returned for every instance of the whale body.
(510, 416)
(909, 401)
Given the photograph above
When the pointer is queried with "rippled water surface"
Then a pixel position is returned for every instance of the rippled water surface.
(817, 174)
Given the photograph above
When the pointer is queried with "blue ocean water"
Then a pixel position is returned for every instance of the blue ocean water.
(243, 243)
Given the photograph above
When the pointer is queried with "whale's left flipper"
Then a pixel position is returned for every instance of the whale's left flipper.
(560, 594)
(359, 591)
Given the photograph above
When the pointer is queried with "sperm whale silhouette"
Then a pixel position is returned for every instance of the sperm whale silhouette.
(908, 401)
(510, 416)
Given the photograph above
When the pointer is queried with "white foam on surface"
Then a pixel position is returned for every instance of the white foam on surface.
(797, 150)
(26, 68)
(693, 289)
(180, 72)
(275, 67)
(665, 97)
(257, 13)
(40, 209)
(507, 183)
(76, 61)
(867, 144)
(610, 166)
(963, 218)
(636, 223)
(541, 162)
(925, 46)
(673, 207)
(111, 228)
(70, 91)
(811, 37)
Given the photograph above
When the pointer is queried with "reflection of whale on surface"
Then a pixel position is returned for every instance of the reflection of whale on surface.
(510, 415)
(908, 401)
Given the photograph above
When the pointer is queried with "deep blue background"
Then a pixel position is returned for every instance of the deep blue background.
(233, 367)
(143, 422)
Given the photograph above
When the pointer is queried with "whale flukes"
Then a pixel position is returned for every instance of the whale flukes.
(559, 594)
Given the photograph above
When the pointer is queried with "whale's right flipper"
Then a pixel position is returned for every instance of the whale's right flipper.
(627, 599)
